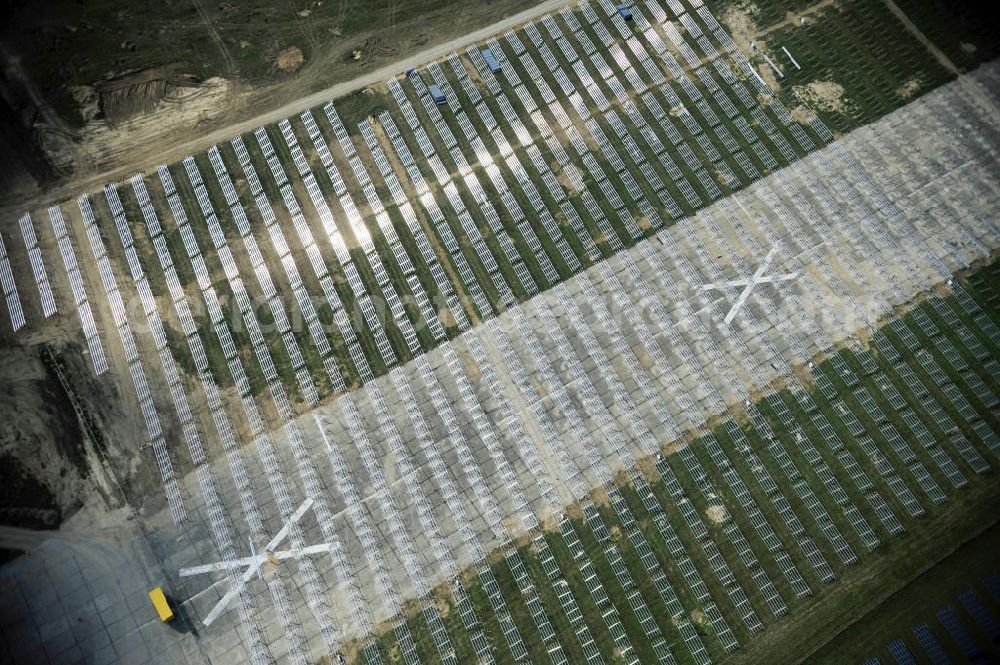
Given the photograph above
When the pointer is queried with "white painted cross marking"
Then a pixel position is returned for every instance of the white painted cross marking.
(252, 564)
(747, 284)
(256, 560)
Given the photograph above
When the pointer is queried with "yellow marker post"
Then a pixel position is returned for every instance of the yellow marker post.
(161, 604)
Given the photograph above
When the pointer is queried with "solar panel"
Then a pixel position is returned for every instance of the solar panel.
(901, 653)
(959, 633)
(930, 644)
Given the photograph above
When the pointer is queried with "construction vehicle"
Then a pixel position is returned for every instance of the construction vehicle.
(161, 604)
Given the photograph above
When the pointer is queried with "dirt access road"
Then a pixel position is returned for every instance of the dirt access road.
(144, 155)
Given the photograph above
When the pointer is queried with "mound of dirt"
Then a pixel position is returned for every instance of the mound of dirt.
(910, 88)
(87, 101)
(824, 95)
(717, 514)
(289, 59)
(175, 115)
(136, 92)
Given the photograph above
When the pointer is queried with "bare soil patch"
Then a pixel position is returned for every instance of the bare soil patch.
(376, 46)
(824, 95)
(645, 360)
(174, 114)
(137, 92)
(770, 78)
(289, 59)
(600, 497)
(471, 366)
(647, 467)
(802, 115)
(742, 28)
(561, 176)
(549, 524)
(910, 88)
(717, 514)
